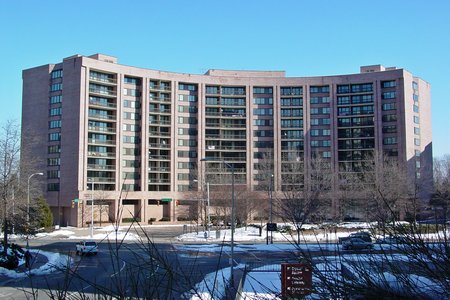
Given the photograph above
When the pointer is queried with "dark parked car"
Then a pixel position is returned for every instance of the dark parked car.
(364, 235)
(356, 244)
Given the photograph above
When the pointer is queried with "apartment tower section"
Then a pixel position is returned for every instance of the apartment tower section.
(133, 139)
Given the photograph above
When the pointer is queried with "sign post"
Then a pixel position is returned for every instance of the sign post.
(296, 280)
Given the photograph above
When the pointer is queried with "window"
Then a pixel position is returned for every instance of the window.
(263, 101)
(54, 124)
(56, 87)
(56, 74)
(263, 133)
(389, 141)
(55, 99)
(187, 154)
(130, 139)
(295, 90)
(54, 186)
(55, 111)
(388, 95)
(390, 129)
(131, 92)
(53, 174)
(131, 116)
(132, 80)
(388, 84)
(417, 153)
(415, 108)
(314, 121)
(130, 163)
(319, 89)
(362, 88)
(326, 132)
(343, 100)
(187, 120)
(415, 86)
(389, 106)
(187, 143)
(233, 90)
(314, 132)
(54, 149)
(190, 98)
(131, 127)
(131, 104)
(187, 87)
(264, 122)
(417, 142)
(389, 118)
(326, 154)
(54, 136)
(291, 101)
(415, 98)
(416, 119)
(416, 130)
(214, 90)
(262, 90)
(53, 161)
(263, 111)
(343, 89)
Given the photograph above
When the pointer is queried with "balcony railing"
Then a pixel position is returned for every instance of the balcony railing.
(159, 169)
(237, 148)
(160, 87)
(102, 92)
(100, 167)
(102, 179)
(101, 142)
(160, 99)
(159, 145)
(226, 137)
(102, 117)
(158, 110)
(159, 157)
(152, 180)
(101, 154)
(102, 129)
(153, 133)
(103, 79)
(102, 104)
(159, 122)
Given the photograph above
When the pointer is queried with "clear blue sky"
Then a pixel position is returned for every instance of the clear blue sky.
(304, 38)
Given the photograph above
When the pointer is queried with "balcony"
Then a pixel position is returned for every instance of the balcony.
(102, 154)
(159, 169)
(154, 180)
(97, 180)
(158, 145)
(101, 167)
(159, 110)
(107, 80)
(160, 88)
(102, 129)
(226, 148)
(160, 99)
(159, 122)
(99, 92)
(226, 136)
(103, 104)
(159, 157)
(154, 133)
(101, 142)
(102, 117)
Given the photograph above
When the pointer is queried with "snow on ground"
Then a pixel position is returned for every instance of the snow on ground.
(56, 262)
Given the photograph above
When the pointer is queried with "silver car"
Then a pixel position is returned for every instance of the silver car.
(356, 244)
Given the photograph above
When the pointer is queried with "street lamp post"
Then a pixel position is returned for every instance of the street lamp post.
(28, 195)
(228, 165)
(207, 210)
(28, 200)
(270, 198)
(92, 208)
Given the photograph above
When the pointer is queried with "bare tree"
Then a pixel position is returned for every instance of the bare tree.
(440, 201)
(9, 170)
(304, 192)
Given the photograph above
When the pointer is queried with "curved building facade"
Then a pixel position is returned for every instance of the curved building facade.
(133, 139)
